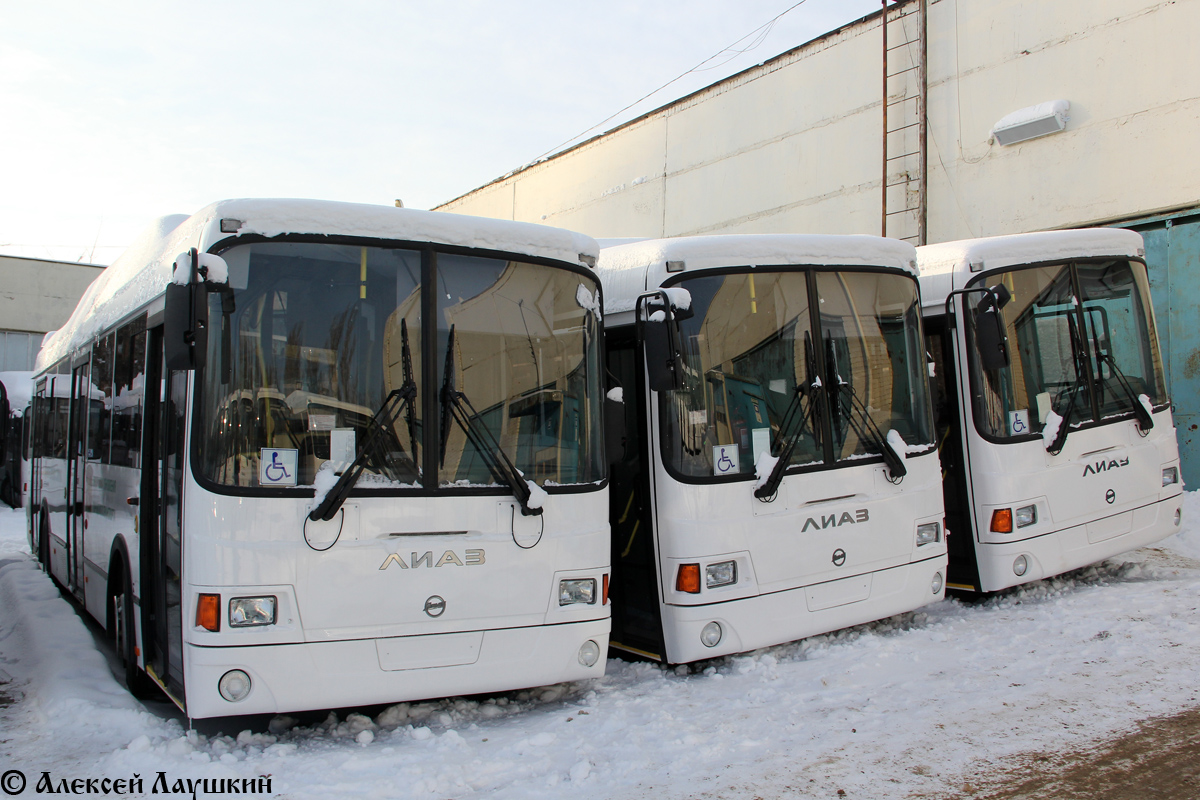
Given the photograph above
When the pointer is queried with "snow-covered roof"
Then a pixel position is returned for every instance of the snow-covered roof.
(628, 270)
(142, 272)
(951, 265)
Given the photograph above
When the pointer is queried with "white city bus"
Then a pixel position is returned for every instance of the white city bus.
(1055, 426)
(779, 476)
(331, 455)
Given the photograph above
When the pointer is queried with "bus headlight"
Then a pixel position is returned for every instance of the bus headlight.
(710, 634)
(246, 612)
(589, 653)
(577, 590)
(1170, 476)
(234, 685)
(929, 533)
(720, 574)
(1026, 516)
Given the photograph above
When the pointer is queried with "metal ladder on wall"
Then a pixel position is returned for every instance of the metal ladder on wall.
(905, 85)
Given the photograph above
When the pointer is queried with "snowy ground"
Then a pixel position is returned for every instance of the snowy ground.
(913, 706)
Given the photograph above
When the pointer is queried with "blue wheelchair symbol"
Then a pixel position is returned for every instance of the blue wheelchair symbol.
(1018, 424)
(276, 471)
(724, 463)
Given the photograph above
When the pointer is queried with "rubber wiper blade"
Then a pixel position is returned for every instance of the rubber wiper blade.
(798, 416)
(383, 419)
(1144, 421)
(456, 406)
(846, 401)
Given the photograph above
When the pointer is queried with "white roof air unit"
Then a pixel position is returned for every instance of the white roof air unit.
(1032, 122)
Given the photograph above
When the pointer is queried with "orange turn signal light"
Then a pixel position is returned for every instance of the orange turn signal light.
(688, 579)
(604, 592)
(1002, 520)
(208, 612)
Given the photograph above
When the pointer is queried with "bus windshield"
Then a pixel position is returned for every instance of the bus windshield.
(1082, 345)
(841, 350)
(317, 353)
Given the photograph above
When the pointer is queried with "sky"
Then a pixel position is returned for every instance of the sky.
(118, 113)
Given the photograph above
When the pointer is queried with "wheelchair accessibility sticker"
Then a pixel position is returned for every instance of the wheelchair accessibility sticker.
(277, 466)
(725, 459)
(1018, 422)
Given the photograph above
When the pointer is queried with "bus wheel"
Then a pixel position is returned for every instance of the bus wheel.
(43, 543)
(125, 638)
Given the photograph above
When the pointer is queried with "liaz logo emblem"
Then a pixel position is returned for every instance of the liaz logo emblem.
(471, 558)
(1104, 466)
(834, 521)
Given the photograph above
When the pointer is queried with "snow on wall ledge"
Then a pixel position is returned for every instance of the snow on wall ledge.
(141, 272)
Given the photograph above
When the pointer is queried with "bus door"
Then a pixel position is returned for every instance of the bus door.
(76, 489)
(161, 517)
(636, 614)
(940, 345)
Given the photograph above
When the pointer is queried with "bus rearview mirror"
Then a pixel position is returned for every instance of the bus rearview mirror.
(991, 340)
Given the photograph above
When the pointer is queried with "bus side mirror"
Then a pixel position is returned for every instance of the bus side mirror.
(185, 320)
(661, 358)
(991, 340)
(5, 422)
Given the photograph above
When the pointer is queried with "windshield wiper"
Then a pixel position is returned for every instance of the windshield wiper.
(846, 403)
(799, 415)
(1144, 421)
(1060, 437)
(402, 397)
(456, 406)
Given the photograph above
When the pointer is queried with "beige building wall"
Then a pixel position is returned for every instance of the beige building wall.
(794, 145)
(36, 297)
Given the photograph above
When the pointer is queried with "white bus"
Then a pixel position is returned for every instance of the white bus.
(1055, 425)
(331, 455)
(779, 476)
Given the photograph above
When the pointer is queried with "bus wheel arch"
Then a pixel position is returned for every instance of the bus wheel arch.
(120, 622)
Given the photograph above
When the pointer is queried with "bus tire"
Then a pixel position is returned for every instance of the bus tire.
(121, 611)
(43, 542)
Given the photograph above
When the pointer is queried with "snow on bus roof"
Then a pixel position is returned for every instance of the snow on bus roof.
(142, 272)
(628, 270)
(948, 266)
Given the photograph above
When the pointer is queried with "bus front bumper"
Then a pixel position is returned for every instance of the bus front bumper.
(769, 619)
(340, 674)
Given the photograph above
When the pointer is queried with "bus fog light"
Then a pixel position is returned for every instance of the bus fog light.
(721, 574)
(710, 634)
(234, 685)
(246, 612)
(929, 533)
(1170, 476)
(1020, 566)
(935, 585)
(1026, 516)
(1178, 516)
(575, 591)
(589, 653)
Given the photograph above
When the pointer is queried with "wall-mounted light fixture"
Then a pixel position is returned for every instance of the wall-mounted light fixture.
(1030, 123)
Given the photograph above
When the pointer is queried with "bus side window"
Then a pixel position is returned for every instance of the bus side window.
(129, 378)
(99, 433)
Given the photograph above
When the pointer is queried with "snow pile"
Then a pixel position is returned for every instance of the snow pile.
(763, 467)
(323, 481)
(1051, 665)
(902, 448)
(588, 301)
(212, 267)
(616, 394)
(1146, 404)
(679, 298)
(1050, 429)
(537, 495)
